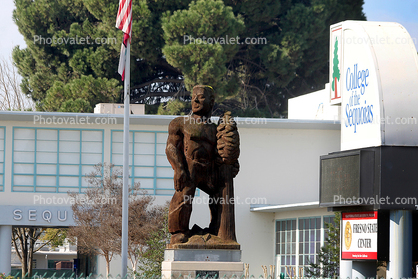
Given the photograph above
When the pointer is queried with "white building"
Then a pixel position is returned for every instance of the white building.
(44, 155)
(60, 258)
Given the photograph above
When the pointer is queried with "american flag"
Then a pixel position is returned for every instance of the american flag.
(124, 23)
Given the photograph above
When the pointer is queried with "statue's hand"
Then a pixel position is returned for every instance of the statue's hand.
(180, 178)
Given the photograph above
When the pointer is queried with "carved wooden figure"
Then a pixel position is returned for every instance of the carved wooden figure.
(205, 156)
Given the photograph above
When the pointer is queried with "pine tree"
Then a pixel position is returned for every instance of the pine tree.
(189, 35)
(328, 258)
(335, 63)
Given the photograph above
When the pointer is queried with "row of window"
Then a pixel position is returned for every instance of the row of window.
(54, 160)
(298, 242)
(148, 163)
(58, 160)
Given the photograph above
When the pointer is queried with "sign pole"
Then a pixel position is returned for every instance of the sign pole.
(125, 191)
(400, 244)
(346, 266)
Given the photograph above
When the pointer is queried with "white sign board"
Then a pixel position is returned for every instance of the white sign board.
(359, 241)
(374, 75)
(37, 216)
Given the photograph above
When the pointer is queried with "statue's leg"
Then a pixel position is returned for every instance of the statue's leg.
(179, 214)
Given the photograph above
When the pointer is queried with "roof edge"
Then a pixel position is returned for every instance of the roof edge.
(284, 207)
(243, 122)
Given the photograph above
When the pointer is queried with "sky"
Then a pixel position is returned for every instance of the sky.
(401, 11)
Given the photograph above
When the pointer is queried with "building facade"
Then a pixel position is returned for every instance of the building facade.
(278, 218)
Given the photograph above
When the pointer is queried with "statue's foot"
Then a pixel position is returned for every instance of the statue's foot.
(179, 238)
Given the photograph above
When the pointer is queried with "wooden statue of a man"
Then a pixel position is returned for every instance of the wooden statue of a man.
(205, 156)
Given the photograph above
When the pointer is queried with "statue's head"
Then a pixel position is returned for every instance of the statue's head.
(203, 99)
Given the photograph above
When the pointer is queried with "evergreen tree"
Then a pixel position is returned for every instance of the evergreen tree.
(174, 107)
(201, 62)
(328, 258)
(289, 59)
(335, 62)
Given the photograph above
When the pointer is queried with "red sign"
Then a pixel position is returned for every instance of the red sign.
(359, 241)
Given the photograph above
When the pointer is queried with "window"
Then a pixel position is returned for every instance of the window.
(60, 264)
(148, 165)
(298, 242)
(286, 245)
(309, 240)
(54, 160)
(2, 148)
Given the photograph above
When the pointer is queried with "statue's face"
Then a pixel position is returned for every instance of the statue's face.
(202, 102)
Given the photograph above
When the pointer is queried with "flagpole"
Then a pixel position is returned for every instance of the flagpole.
(125, 190)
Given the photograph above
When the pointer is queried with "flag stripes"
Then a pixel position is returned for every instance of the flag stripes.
(122, 58)
(124, 17)
(124, 23)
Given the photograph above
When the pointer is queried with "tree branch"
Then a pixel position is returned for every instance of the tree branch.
(15, 245)
(157, 80)
(49, 241)
(250, 62)
(262, 94)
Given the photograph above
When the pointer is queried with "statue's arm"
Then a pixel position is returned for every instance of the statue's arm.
(228, 142)
(174, 152)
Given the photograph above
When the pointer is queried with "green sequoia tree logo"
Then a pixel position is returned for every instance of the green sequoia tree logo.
(335, 68)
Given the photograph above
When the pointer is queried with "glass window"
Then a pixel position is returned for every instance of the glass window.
(54, 160)
(149, 164)
(286, 245)
(310, 230)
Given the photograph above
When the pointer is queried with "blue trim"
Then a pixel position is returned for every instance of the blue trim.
(34, 161)
(57, 174)
(133, 159)
(103, 140)
(155, 163)
(80, 160)
(2, 170)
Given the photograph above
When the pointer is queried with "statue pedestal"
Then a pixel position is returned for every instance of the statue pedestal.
(207, 263)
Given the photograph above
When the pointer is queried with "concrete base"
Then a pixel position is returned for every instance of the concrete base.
(188, 263)
(202, 255)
